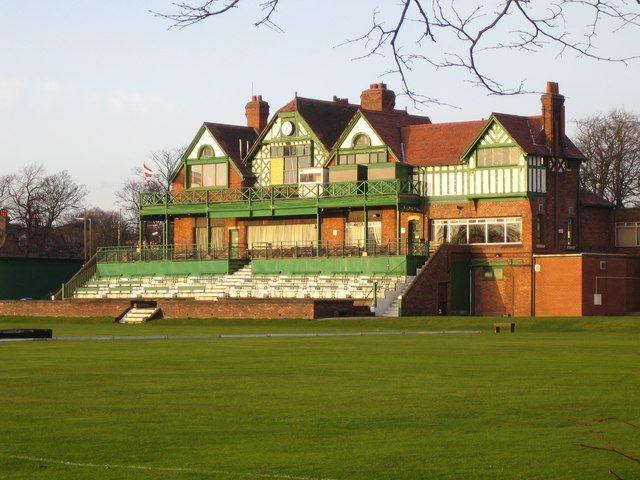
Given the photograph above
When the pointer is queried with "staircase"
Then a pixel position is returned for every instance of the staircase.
(393, 310)
(390, 305)
(139, 313)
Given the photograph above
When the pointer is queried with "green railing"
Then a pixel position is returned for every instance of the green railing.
(262, 250)
(80, 278)
(281, 192)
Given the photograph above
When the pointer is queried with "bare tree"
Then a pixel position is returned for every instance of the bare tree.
(163, 164)
(462, 34)
(61, 197)
(37, 202)
(611, 144)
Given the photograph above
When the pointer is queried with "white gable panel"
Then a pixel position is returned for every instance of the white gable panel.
(206, 139)
(362, 126)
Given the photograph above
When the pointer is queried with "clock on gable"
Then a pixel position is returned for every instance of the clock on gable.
(287, 128)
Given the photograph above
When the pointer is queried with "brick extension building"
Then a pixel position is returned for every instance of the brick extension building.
(328, 187)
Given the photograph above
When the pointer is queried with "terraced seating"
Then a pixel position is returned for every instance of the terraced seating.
(242, 284)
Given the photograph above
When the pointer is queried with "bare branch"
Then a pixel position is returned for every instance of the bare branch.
(190, 15)
(459, 34)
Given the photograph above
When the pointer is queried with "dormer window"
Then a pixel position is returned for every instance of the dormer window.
(361, 140)
(206, 152)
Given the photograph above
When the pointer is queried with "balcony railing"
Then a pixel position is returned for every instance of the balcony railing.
(282, 192)
(153, 253)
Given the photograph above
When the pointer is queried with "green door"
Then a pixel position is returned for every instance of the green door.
(234, 236)
(414, 235)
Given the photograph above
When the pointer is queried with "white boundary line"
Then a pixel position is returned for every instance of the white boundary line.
(162, 469)
(257, 335)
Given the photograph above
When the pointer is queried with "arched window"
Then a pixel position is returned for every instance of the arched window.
(206, 152)
(361, 140)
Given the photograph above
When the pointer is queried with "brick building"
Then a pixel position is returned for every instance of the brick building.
(330, 187)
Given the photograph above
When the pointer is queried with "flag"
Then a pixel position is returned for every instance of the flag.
(148, 173)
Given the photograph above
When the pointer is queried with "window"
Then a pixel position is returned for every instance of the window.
(627, 234)
(206, 152)
(570, 232)
(540, 229)
(208, 175)
(294, 157)
(497, 156)
(492, 273)
(477, 230)
(361, 140)
(360, 158)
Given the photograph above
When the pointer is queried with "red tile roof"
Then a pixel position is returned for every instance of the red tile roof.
(389, 126)
(439, 143)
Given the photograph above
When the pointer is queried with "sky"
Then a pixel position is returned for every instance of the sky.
(94, 87)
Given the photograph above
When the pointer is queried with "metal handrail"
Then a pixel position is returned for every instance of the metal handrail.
(262, 250)
(281, 192)
(87, 271)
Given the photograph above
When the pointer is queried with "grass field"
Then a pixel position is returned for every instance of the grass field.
(464, 406)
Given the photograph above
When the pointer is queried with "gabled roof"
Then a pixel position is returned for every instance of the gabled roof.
(388, 125)
(326, 119)
(525, 131)
(528, 132)
(230, 137)
(590, 199)
(439, 143)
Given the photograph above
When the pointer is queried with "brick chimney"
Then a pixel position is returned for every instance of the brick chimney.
(257, 112)
(553, 117)
(378, 97)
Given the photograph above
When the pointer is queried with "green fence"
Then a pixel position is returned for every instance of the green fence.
(36, 278)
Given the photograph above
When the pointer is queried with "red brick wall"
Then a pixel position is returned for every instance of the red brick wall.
(422, 296)
(558, 286)
(235, 179)
(560, 203)
(618, 280)
(184, 309)
(183, 231)
(595, 230)
(389, 224)
(333, 220)
(510, 296)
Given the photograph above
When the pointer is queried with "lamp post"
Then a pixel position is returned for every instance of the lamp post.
(119, 225)
(84, 219)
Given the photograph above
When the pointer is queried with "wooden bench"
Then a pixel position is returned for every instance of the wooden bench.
(510, 325)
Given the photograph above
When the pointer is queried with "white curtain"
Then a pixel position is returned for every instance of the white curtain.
(281, 233)
(217, 237)
(354, 232)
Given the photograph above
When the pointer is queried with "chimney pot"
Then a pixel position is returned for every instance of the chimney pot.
(552, 87)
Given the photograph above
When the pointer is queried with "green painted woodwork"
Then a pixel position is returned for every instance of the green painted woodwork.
(460, 288)
(492, 120)
(183, 268)
(402, 265)
(279, 200)
(36, 278)
(495, 263)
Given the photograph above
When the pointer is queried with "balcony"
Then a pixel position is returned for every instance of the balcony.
(281, 199)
